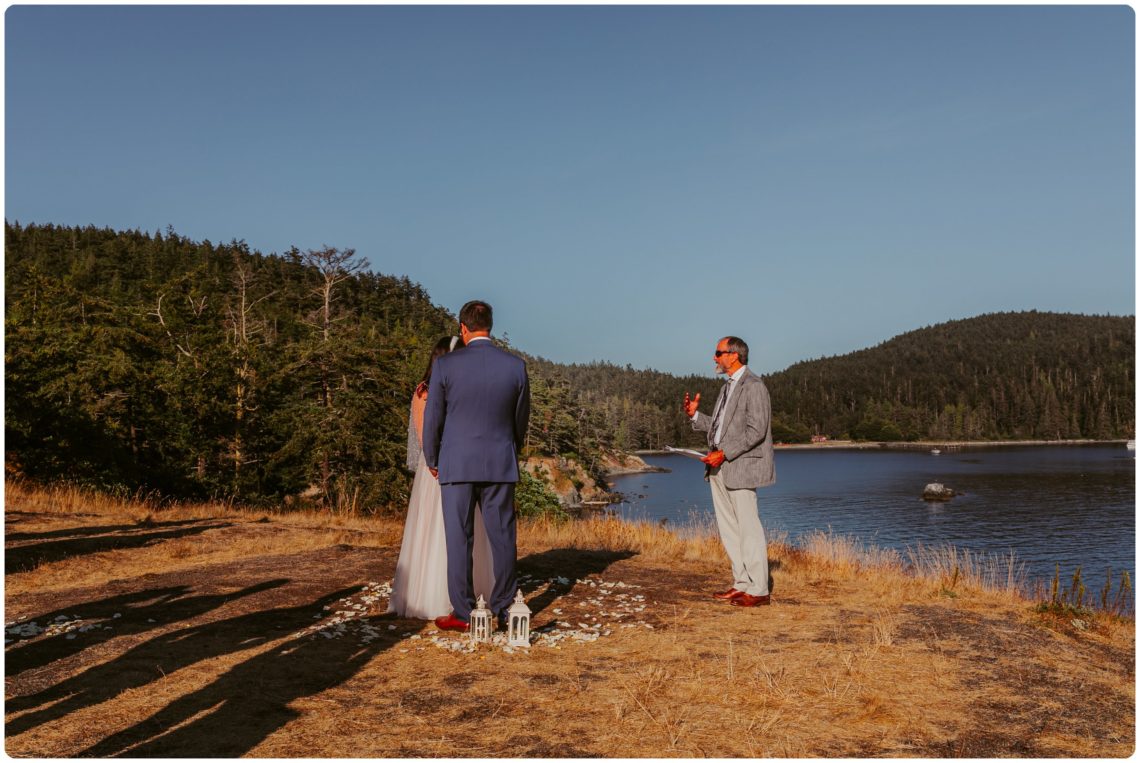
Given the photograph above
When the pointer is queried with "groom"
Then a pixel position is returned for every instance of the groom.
(475, 423)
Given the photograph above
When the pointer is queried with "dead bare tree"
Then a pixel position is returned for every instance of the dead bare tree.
(157, 312)
(334, 266)
(242, 327)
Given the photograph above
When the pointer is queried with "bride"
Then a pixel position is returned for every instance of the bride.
(419, 589)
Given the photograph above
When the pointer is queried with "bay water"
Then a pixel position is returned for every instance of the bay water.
(1049, 504)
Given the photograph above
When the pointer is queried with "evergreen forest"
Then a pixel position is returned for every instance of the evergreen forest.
(1001, 376)
(150, 362)
(140, 361)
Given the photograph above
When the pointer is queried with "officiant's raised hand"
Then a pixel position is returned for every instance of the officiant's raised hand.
(691, 405)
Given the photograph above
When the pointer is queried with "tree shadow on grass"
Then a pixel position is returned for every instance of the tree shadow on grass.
(24, 558)
(15, 516)
(247, 704)
(73, 532)
(169, 608)
(161, 656)
(569, 563)
(104, 608)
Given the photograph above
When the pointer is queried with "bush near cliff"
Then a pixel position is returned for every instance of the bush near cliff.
(534, 499)
(566, 478)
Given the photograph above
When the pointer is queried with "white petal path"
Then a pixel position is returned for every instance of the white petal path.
(607, 604)
(71, 625)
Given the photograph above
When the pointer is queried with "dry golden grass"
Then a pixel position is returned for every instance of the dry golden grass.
(248, 534)
(855, 658)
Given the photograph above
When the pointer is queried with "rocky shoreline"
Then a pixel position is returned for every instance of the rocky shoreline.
(647, 469)
(578, 491)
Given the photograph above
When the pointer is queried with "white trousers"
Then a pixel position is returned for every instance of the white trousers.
(742, 534)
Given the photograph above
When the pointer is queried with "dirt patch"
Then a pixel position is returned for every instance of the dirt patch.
(1018, 654)
(983, 744)
(544, 679)
(424, 702)
(463, 680)
(526, 746)
(29, 553)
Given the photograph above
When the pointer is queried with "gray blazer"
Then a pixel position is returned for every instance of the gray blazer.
(747, 434)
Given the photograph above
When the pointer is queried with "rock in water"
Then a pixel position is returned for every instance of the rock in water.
(936, 491)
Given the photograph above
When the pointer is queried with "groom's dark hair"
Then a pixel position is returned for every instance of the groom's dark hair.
(476, 316)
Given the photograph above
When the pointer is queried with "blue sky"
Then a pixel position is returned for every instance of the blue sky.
(622, 183)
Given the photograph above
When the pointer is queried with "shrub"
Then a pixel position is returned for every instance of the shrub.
(534, 499)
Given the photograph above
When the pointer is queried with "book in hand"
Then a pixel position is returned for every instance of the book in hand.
(686, 452)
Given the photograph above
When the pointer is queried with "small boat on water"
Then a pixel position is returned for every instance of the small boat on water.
(935, 452)
(1131, 445)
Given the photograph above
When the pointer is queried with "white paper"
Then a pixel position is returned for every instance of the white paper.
(686, 452)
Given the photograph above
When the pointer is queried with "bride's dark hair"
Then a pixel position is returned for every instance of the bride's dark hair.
(442, 347)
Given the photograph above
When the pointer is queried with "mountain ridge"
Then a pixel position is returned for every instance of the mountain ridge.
(995, 376)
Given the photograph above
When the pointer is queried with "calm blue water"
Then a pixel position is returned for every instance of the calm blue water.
(1050, 504)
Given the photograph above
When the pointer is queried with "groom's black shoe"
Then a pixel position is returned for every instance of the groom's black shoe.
(451, 623)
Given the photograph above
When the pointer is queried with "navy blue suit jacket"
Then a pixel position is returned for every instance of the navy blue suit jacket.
(477, 412)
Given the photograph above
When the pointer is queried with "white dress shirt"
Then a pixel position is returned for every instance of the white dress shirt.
(735, 377)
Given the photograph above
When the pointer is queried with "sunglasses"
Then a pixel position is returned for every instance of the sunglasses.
(723, 352)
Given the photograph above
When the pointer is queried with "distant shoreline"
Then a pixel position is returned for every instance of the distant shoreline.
(925, 445)
(916, 445)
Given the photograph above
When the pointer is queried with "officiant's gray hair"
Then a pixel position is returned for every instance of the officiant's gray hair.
(739, 346)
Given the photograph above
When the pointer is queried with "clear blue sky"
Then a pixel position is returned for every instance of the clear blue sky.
(622, 183)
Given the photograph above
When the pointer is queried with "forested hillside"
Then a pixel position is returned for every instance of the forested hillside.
(1026, 375)
(141, 361)
(1001, 376)
(634, 409)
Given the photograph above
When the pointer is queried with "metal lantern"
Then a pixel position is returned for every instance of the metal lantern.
(518, 628)
(480, 623)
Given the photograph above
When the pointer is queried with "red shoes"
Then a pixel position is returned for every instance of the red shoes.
(742, 599)
(451, 623)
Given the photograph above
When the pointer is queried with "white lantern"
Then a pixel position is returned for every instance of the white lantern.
(518, 622)
(480, 623)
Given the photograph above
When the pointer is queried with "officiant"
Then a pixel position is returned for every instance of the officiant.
(739, 461)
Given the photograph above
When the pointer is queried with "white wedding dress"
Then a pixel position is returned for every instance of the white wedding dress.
(419, 589)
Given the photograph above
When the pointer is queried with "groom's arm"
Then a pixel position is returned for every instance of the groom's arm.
(522, 412)
(433, 417)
